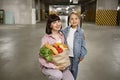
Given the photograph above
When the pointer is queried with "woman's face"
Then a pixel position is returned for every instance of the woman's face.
(74, 20)
(56, 25)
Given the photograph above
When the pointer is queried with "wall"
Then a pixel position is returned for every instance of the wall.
(90, 13)
(20, 10)
(107, 4)
(106, 12)
(0, 5)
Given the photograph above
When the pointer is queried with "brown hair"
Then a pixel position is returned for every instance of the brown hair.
(51, 18)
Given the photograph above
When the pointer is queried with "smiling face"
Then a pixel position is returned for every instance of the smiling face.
(53, 23)
(74, 20)
(56, 25)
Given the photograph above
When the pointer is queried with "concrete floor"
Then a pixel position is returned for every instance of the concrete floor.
(19, 46)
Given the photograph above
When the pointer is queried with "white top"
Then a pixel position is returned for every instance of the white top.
(70, 39)
(59, 41)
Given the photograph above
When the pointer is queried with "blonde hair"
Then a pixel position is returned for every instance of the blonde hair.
(73, 12)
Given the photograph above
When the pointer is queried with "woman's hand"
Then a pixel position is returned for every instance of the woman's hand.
(60, 68)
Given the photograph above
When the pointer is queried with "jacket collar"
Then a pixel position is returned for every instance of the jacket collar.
(78, 28)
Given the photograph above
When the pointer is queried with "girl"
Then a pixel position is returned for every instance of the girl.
(52, 36)
(76, 42)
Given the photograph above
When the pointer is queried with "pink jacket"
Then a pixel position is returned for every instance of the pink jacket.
(51, 40)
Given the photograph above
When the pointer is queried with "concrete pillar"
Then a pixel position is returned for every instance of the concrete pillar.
(33, 12)
(42, 11)
(106, 12)
(21, 10)
(0, 4)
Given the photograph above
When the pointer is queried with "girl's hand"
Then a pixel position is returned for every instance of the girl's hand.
(81, 59)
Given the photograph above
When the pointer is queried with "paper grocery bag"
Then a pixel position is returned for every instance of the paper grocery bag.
(62, 59)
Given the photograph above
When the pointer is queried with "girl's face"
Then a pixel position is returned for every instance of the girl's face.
(56, 25)
(74, 20)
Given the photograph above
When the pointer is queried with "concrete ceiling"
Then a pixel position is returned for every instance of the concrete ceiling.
(66, 2)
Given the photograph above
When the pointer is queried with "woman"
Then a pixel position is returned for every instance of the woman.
(52, 36)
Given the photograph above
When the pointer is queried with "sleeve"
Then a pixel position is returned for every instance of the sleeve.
(42, 61)
(83, 46)
(43, 41)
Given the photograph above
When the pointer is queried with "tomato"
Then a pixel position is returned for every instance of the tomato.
(60, 50)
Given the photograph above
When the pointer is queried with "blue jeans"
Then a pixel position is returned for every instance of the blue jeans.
(74, 67)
